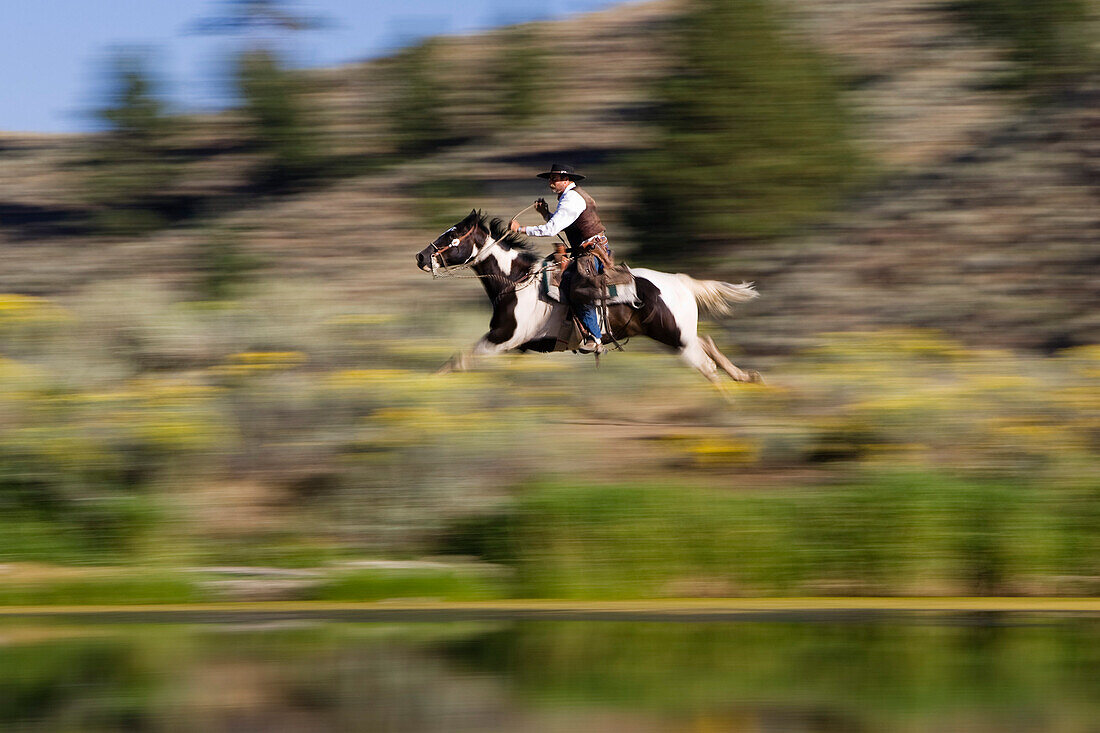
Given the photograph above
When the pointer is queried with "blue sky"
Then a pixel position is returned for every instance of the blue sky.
(52, 52)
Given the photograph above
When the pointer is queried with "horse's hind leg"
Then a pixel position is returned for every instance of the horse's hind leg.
(739, 375)
(694, 353)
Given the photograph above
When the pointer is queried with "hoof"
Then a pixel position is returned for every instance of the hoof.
(756, 378)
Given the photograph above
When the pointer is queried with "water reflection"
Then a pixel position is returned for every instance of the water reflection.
(553, 676)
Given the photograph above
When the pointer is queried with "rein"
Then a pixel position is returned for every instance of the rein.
(560, 237)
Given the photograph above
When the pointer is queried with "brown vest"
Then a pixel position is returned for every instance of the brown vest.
(587, 224)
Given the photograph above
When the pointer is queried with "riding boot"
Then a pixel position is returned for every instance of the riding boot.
(590, 346)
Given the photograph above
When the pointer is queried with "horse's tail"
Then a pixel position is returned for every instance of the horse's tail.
(715, 296)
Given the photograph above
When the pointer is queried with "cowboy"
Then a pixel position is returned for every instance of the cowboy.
(576, 216)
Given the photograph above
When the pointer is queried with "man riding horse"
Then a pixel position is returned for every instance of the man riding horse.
(665, 307)
(576, 216)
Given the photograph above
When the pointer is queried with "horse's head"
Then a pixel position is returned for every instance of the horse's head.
(456, 246)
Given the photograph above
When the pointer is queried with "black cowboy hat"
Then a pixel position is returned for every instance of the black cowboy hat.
(562, 170)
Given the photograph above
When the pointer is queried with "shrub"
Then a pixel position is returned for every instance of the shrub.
(223, 267)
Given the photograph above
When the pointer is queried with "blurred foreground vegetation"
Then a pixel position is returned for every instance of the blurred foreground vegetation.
(892, 462)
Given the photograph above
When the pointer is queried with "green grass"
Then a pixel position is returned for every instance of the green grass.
(101, 529)
(278, 551)
(121, 589)
(890, 534)
(36, 540)
(376, 585)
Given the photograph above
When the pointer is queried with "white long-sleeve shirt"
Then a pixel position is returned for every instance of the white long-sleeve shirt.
(570, 206)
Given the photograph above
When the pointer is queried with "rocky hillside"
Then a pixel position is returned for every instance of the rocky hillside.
(982, 221)
(996, 244)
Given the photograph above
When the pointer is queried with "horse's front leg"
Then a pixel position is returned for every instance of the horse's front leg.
(464, 360)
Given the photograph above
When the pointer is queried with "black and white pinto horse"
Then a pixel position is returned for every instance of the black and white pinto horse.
(526, 320)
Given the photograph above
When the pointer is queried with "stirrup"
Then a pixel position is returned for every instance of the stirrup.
(595, 348)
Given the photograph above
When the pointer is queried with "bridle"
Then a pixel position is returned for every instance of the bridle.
(437, 250)
(477, 254)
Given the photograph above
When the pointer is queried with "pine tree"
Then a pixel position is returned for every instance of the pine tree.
(129, 170)
(271, 94)
(417, 116)
(279, 128)
(519, 71)
(752, 137)
(1050, 41)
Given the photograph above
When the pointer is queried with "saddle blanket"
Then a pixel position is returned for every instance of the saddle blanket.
(623, 290)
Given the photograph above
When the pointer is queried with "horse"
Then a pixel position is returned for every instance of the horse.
(524, 319)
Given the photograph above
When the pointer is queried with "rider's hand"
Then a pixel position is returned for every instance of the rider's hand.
(541, 206)
(513, 226)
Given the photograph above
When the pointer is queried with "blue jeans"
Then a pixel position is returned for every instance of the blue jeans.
(587, 313)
